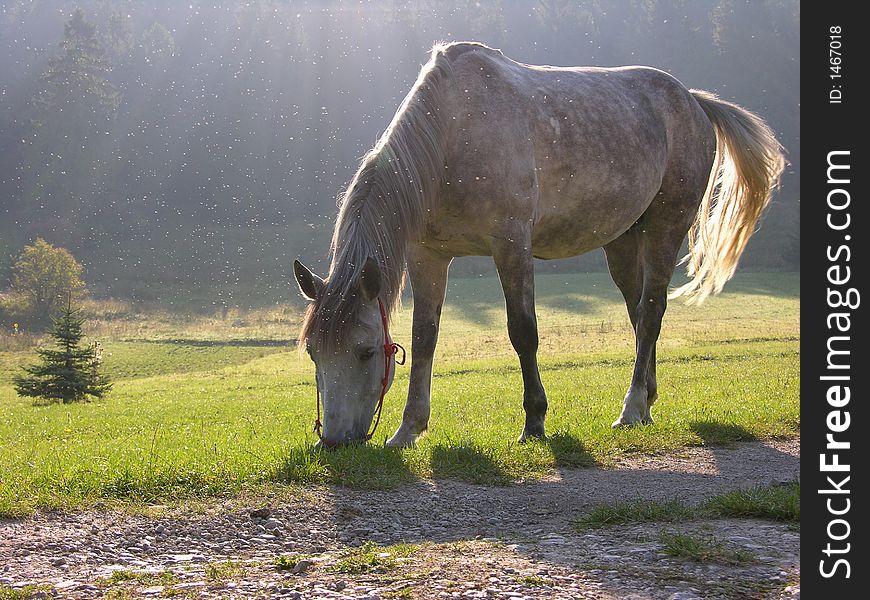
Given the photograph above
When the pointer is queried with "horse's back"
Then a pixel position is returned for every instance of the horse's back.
(579, 151)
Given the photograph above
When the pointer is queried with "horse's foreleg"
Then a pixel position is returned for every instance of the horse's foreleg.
(513, 260)
(428, 275)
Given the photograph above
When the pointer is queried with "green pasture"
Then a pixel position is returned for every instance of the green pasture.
(205, 406)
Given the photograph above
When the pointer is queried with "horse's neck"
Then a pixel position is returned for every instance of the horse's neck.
(389, 251)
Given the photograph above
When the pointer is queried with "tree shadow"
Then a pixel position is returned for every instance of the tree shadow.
(50, 402)
(477, 313)
(777, 284)
(570, 302)
(717, 433)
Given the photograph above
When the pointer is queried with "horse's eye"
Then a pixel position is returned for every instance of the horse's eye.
(365, 353)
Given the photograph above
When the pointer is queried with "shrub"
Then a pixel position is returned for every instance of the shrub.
(43, 276)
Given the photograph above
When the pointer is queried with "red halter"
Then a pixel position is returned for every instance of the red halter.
(390, 349)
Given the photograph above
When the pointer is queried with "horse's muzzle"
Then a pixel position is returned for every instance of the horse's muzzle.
(327, 444)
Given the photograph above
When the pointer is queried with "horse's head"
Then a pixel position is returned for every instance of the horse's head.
(346, 337)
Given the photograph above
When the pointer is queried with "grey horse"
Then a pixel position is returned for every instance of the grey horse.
(487, 156)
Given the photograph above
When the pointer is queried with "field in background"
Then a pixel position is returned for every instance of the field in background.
(216, 405)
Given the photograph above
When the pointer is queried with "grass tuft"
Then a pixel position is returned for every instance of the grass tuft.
(638, 511)
(369, 557)
(25, 592)
(777, 503)
(288, 562)
(703, 550)
(534, 580)
(223, 570)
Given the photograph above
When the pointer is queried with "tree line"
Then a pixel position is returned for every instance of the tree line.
(188, 145)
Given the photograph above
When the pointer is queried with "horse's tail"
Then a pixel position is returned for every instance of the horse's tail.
(749, 161)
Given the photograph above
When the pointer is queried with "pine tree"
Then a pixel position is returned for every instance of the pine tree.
(77, 82)
(68, 149)
(68, 372)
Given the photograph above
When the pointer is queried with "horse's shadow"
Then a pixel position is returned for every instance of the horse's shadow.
(448, 508)
(715, 433)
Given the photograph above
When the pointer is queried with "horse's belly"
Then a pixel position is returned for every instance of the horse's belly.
(560, 236)
(571, 221)
(563, 239)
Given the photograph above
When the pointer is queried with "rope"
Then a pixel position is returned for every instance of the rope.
(391, 349)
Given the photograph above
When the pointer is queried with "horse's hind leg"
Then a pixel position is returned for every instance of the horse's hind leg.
(659, 234)
(626, 269)
(513, 260)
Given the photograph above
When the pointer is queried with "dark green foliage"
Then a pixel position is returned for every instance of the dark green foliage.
(77, 80)
(68, 372)
(68, 138)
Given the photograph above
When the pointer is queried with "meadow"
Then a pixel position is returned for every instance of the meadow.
(223, 405)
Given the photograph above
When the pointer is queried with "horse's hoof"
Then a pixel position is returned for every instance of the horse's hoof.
(529, 435)
(628, 422)
(401, 439)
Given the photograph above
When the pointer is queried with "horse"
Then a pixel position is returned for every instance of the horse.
(487, 156)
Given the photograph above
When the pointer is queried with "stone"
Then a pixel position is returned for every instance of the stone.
(301, 566)
(189, 586)
(261, 513)
(152, 591)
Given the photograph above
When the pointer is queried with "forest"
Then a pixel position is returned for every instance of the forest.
(188, 152)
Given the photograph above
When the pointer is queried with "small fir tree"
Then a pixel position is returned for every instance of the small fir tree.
(68, 372)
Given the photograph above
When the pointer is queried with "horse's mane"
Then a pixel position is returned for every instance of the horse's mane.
(384, 207)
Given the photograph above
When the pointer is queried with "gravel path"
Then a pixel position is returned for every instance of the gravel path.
(465, 540)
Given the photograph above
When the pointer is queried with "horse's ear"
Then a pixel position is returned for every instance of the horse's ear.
(309, 284)
(370, 279)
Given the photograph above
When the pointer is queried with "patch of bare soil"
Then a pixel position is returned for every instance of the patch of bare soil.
(463, 540)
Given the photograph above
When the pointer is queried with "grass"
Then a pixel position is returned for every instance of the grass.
(23, 593)
(223, 570)
(288, 562)
(204, 407)
(121, 576)
(775, 503)
(534, 580)
(369, 557)
(639, 511)
(702, 550)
